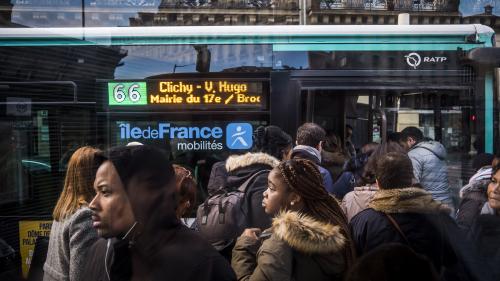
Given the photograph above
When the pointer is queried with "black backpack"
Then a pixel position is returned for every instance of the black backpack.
(222, 218)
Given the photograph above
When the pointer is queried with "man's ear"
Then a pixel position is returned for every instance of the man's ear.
(320, 146)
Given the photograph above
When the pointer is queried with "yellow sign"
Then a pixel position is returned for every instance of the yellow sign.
(28, 232)
(214, 92)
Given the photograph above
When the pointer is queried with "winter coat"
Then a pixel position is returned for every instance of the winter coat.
(424, 222)
(300, 248)
(344, 184)
(312, 154)
(485, 233)
(241, 167)
(357, 200)
(333, 162)
(183, 256)
(430, 170)
(474, 196)
(69, 242)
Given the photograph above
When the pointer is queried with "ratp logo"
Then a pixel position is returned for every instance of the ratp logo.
(413, 60)
(239, 136)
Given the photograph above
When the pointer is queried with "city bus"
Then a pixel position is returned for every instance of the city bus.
(199, 93)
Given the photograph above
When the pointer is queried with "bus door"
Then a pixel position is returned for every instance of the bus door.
(356, 116)
(445, 108)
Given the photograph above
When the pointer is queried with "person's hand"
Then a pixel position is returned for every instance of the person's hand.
(252, 233)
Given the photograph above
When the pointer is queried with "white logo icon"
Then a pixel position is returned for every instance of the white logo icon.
(239, 137)
(413, 60)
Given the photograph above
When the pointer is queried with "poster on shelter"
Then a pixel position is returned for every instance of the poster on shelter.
(28, 232)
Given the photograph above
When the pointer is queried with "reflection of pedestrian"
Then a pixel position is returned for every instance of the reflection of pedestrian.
(72, 233)
(135, 207)
(239, 138)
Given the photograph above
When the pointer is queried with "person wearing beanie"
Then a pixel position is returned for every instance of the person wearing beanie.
(134, 210)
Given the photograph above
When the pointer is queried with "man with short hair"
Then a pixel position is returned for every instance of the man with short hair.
(400, 213)
(429, 166)
(135, 209)
(310, 137)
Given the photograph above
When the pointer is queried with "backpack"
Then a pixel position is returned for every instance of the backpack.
(221, 218)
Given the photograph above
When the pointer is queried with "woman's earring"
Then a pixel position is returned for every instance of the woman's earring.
(292, 203)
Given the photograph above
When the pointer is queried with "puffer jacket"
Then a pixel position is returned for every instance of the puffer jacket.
(300, 248)
(357, 200)
(429, 168)
(241, 167)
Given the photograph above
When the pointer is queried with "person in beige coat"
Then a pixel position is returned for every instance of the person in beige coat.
(358, 199)
(309, 238)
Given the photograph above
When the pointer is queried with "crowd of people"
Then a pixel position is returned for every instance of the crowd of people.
(311, 209)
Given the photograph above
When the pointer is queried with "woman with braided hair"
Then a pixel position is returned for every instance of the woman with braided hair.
(309, 238)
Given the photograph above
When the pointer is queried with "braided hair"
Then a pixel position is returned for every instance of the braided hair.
(303, 177)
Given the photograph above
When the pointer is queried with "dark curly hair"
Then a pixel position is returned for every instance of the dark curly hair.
(272, 140)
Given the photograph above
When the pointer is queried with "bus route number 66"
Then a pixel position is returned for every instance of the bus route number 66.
(127, 93)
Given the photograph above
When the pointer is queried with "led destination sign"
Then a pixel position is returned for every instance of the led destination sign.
(187, 94)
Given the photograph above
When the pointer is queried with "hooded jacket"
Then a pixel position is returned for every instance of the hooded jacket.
(423, 221)
(299, 248)
(357, 200)
(241, 167)
(312, 154)
(474, 196)
(429, 168)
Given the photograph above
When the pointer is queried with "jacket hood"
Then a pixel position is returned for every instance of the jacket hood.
(475, 186)
(406, 200)
(308, 235)
(434, 147)
(482, 174)
(307, 152)
(241, 161)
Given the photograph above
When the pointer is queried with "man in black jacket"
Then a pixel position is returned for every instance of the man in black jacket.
(134, 208)
(409, 215)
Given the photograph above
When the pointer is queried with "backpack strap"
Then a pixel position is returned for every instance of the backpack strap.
(396, 226)
(245, 185)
